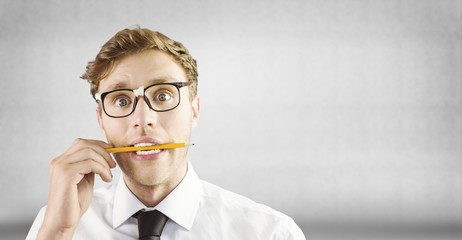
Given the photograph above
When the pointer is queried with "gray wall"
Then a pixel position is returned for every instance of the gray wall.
(333, 111)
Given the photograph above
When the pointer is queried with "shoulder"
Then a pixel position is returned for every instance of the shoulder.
(239, 211)
(225, 199)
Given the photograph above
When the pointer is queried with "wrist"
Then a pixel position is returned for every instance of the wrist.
(49, 233)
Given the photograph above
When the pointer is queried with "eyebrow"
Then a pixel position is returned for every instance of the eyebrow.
(120, 85)
(124, 85)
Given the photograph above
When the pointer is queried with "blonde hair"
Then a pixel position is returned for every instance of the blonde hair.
(136, 40)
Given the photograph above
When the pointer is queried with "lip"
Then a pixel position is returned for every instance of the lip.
(146, 140)
(149, 157)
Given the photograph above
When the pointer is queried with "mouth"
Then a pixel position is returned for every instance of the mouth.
(147, 152)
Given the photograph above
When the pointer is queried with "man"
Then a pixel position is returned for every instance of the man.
(145, 85)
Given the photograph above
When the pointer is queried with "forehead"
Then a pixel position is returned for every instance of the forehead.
(142, 69)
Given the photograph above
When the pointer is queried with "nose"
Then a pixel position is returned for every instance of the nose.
(143, 116)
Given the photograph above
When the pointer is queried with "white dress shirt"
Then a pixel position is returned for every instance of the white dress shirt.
(196, 209)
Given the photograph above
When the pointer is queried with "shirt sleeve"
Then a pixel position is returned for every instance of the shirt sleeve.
(289, 230)
(32, 235)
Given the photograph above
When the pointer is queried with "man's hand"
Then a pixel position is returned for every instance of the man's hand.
(71, 186)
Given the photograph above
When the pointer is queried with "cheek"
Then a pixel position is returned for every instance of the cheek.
(173, 124)
(114, 128)
(177, 123)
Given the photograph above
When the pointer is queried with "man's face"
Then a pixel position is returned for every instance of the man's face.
(145, 126)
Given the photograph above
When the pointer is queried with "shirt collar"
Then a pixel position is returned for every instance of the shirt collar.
(180, 205)
(125, 204)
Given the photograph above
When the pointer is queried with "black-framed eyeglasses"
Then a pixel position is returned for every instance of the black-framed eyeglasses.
(160, 97)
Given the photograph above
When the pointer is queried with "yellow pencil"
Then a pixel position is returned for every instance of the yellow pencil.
(134, 149)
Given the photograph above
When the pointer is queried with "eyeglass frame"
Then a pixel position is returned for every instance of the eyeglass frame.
(140, 92)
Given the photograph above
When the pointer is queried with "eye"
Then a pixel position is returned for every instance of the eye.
(121, 102)
(163, 97)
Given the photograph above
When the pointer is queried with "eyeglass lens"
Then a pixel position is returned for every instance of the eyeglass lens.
(161, 98)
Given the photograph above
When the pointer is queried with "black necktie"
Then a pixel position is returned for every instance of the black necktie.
(151, 224)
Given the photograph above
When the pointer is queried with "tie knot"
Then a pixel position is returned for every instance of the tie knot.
(151, 224)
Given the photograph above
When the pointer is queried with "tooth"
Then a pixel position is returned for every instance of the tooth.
(148, 152)
(143, 144)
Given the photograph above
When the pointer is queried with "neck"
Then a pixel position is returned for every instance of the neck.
(152, 195)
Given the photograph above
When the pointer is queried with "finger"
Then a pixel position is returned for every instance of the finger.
(84, 154)
(101, 149)
(82, 168)
(98, 146)
(90, 153)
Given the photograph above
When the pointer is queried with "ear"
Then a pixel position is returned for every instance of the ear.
(99, 117)
(196, 105)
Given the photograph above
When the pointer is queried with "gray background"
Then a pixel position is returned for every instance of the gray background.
(345, 115)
